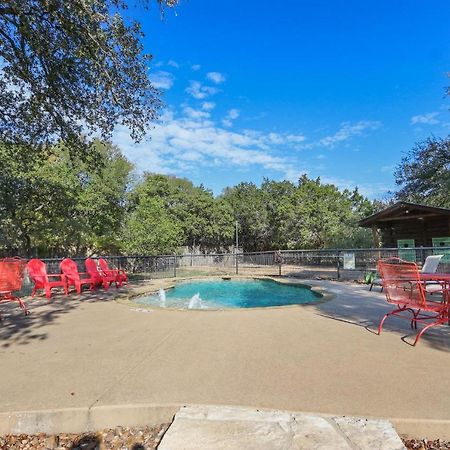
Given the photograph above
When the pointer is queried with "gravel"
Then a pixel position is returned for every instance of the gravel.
(125, 438)
(424, 444)
(119, 438)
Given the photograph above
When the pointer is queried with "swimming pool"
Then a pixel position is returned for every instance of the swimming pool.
(220, 294)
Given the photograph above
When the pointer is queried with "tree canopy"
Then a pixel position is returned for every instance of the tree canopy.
(309, 214)
(70, 68)
(55, 204)
(423, 175)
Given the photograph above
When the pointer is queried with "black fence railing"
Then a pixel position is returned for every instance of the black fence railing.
(331, 263)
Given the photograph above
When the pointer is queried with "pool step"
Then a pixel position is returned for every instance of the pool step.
(232, 428)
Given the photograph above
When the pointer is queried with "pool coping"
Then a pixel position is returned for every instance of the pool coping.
(129, 299)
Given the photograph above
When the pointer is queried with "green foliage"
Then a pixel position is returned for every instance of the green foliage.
(150, 229)
(309, 215)
(204, 221)
(54, 204)
(369, 277)
(72, 66)
(249, 207)
(424, 173)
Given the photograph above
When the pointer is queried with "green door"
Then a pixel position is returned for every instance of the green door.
(442, 242)
(406, 250)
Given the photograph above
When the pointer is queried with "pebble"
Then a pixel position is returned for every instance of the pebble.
(119, 438)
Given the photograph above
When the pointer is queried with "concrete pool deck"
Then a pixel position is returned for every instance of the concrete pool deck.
(90, 356)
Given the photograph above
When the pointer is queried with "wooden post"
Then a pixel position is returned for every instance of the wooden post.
(376, 237)
(338, 267)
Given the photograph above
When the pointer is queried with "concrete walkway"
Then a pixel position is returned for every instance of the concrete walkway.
(94, 353)
(231, 428)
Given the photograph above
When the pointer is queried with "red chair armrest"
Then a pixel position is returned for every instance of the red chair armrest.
(56, 275)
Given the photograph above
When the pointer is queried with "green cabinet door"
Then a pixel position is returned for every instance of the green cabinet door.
(442, 242)
(406, 250)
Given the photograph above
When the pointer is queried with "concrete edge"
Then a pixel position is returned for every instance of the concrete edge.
(84, 419)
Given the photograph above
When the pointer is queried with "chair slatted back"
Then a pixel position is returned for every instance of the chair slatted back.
(103, 264)
(69, 268)
(401, 283)
(37, 270)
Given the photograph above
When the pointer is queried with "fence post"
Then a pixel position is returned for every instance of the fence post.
(279, 269)
(237, 263)
(175, 266)
(338, 267)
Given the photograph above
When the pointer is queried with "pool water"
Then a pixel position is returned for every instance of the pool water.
(220, 294)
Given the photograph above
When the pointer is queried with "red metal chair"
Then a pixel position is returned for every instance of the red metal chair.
(98, 275)
(74, 278)
(119, 274)
(11, 277)
(38, 274)
(403, 286)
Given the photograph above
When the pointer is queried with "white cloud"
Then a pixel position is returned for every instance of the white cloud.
(295, 138)
(232, 114)
(196, 67)
(185, 143)
(427, 119)
(195, 113)
(199, 91)
(371, 190)
(162, 80)
(173, 63)
(208, 106)
(347, 131)
(216, 77)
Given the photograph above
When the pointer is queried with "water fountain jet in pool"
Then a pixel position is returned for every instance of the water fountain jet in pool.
(162, 298)
(195, 302)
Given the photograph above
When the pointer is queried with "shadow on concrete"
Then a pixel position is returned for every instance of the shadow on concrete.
(356, 305)
(16, 328)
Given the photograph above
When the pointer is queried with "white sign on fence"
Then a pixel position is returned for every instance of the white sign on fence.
(349, 261)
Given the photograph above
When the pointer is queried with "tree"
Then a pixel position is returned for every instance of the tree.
(206, 222)
(150, 230)
(424, 173)
(72, 67)
(53, 204)
(250, 210)
(309, 215)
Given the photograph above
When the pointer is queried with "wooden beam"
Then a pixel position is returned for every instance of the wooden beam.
(410, 217)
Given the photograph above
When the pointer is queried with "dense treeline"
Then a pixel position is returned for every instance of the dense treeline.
(54, 204)
(423, 176)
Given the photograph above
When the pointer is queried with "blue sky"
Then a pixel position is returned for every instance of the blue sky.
(336, 89)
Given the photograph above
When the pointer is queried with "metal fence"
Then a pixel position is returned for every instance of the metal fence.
(330, 263)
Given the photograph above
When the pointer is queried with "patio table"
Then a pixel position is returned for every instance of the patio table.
(444, 280)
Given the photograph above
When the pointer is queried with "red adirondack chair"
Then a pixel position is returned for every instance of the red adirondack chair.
(403, 287)
(119, 274)
(98, 275)
(38, 274)
(74, 278)
(11, 277)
